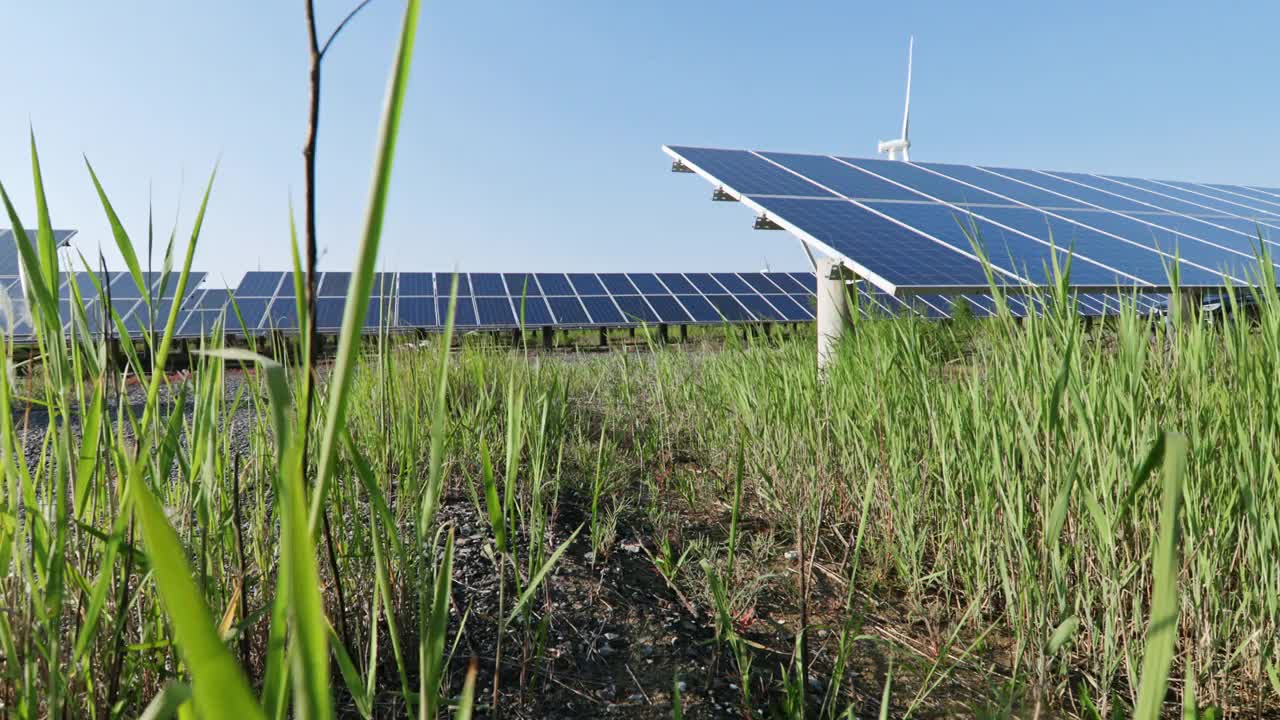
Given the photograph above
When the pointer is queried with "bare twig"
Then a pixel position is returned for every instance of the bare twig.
(309, 159)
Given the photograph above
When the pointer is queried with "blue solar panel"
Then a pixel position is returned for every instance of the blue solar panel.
(1156, 201)
(1011, 189)
(212, 299)
(464, 316)
(445, 284)
(1071, 190)
(586, 284)
(259, 284)
(1216, 200)
(532, 311)
(602, 311)
(730, 309)
(790, 309)
(568, 310)
(617, 284)
(495, 312)
(887, 249)
(807, 302)
(249, 315)
(928, 183)
(841, 178)
(749, 174)
(677, 283)
(789, 284)
(521, 284)
(732, 283)
(282, 315)
(416, 284)
(647, 283)
(760, 307)
(704, 283)
(668, 309)
(487, 285)
(417, 312)
(554, 284)
(334, 284)
(1015, 253)
(635, 309)
(759, 282)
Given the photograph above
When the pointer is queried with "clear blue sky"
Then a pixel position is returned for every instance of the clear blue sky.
(532, 132)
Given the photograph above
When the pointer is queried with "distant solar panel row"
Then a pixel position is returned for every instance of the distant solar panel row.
(411, 300)
(913, 228)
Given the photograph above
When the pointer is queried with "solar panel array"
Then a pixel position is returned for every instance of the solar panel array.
(921, 228)
(138, 315)
(15, 319)
(495, 301)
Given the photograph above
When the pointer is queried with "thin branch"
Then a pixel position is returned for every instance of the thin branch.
(338, 29)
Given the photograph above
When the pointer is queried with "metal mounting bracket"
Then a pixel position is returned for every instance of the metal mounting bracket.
(764, 223)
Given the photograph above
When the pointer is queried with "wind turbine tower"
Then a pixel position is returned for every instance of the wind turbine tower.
(903, 143)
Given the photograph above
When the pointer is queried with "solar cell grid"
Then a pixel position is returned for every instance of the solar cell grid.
(568, 310)
(587, 284)
(464, 314)
(677, 283)
(519, 284)
(554, 284)
(730, 309)
(668, 309)
(445, 284)
(417, 312)
(532, 311)
(488, 285)
(259, 284)
(334, 284)
(617, 283)
(704, 283)
(732, 283)
(602, 311)
(494, 312)
(416, 284)
(647, 283)
(635, 309)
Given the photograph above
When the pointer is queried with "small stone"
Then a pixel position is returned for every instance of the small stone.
(790, 555)
(611, 637)
(682, 685)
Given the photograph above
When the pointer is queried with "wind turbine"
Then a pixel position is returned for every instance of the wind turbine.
(902, 144)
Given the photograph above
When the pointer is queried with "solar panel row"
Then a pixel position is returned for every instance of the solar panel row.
(915, 228)
(420, 300)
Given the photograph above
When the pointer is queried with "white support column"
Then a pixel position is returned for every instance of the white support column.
(833, 309)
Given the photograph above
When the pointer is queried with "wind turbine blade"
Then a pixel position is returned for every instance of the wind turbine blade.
(906, 111)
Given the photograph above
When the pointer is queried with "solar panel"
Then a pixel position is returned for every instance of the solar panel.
(924, 228)
(521, 284)
(568, 310)
(587, 284)
(417, 312)
(602, 311)
(617, 284)
(669, 309)
(464, 315)
(445, 284)
(532, 311)
(677, 283)
(334, 284)
(416, 284)
(494, 312)
(259, 284)
(488, 285)
(635, 309)
(554, 284)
